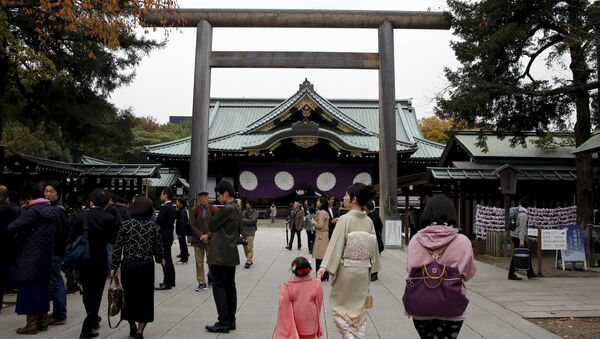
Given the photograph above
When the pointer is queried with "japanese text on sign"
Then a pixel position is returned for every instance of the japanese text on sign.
(554, 239)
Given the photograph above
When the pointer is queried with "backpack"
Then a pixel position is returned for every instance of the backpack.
(435, 290)
(514, 215)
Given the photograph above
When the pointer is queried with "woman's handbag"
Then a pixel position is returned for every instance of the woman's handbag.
(434, 290)
(369, 301)
(116, 301)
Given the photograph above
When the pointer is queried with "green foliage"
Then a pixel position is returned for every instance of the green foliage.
(494, 89)
(45, 142)
(147, 131)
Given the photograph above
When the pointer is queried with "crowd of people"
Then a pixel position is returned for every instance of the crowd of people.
(127, 241)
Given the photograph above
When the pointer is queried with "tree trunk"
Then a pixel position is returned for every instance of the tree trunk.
(581, 73)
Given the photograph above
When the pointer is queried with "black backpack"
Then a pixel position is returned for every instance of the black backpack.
(514, 215)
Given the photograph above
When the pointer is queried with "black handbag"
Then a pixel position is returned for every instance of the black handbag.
(116, 299)
(79, 251)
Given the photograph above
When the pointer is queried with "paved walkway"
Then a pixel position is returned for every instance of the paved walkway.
(496, 310)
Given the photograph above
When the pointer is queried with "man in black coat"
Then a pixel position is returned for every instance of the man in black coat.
(333, 213)
(8, 213)
(378, 225)
(102, 230)
(223, 256)
(166, 221)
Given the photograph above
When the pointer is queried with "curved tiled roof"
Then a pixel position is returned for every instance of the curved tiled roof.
(307, 89)
(234, 125)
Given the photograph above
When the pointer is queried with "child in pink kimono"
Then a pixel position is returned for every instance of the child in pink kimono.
(300, 301)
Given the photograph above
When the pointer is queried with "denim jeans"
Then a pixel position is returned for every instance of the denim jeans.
(58, 294)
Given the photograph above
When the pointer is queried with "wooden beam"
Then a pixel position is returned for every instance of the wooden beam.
(190, 17)
(200, 110)
(294, 60)
(388, 173)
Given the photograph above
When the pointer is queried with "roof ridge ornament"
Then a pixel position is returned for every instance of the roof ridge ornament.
(306, 84)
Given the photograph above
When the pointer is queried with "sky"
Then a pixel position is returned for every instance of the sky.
(164, 79)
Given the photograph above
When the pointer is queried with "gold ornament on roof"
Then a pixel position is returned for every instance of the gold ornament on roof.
(305, 142)
(307, 106)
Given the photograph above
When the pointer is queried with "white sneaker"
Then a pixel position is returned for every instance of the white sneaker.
(201, 287)
(181, 262)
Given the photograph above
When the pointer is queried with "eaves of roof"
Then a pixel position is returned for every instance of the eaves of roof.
(539, 174)
(120, 170)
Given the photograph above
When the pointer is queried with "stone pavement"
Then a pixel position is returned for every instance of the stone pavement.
(496, 310)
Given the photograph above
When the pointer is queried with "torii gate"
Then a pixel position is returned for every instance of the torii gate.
(385, 21)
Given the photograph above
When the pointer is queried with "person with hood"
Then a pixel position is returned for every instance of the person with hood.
(36, 229)
(439, 235)
(519, 238)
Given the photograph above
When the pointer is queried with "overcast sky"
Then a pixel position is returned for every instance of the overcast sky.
(164, 81)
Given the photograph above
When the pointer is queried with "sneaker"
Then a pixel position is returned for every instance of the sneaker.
(181, 262)
(201, 287)
(247, 265)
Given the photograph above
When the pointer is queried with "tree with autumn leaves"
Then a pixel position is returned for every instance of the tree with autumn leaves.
(435, 129)
(59, 62)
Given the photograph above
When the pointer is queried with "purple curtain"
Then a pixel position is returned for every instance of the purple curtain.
(274, 180)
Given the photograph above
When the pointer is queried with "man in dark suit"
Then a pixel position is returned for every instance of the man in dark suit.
(225, 229)
(166, 221)
(102, 230)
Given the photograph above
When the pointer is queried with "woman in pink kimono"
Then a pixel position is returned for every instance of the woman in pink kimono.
(300, 301)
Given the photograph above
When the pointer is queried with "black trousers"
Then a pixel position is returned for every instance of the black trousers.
(224, 292)
(294, 232)
(436, 328)
(511, 269)
(183, 250)
(168, 268)
(93, 279)
(310, 239)
(2, 278)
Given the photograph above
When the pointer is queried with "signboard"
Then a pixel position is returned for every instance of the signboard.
(575, 245)
(554, 239)
(393, 232)
(532, 232)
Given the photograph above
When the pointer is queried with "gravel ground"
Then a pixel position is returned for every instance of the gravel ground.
(571, 327)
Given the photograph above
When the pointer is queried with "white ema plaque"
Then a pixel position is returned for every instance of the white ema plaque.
(393, 232)
(554, 239)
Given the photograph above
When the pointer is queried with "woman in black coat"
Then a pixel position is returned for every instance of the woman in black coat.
(138, 242)
(36, 229)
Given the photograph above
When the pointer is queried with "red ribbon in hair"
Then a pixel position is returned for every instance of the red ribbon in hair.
(302, 271)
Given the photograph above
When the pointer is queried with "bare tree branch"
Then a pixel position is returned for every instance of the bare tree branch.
(553, 41)
(539, 93)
